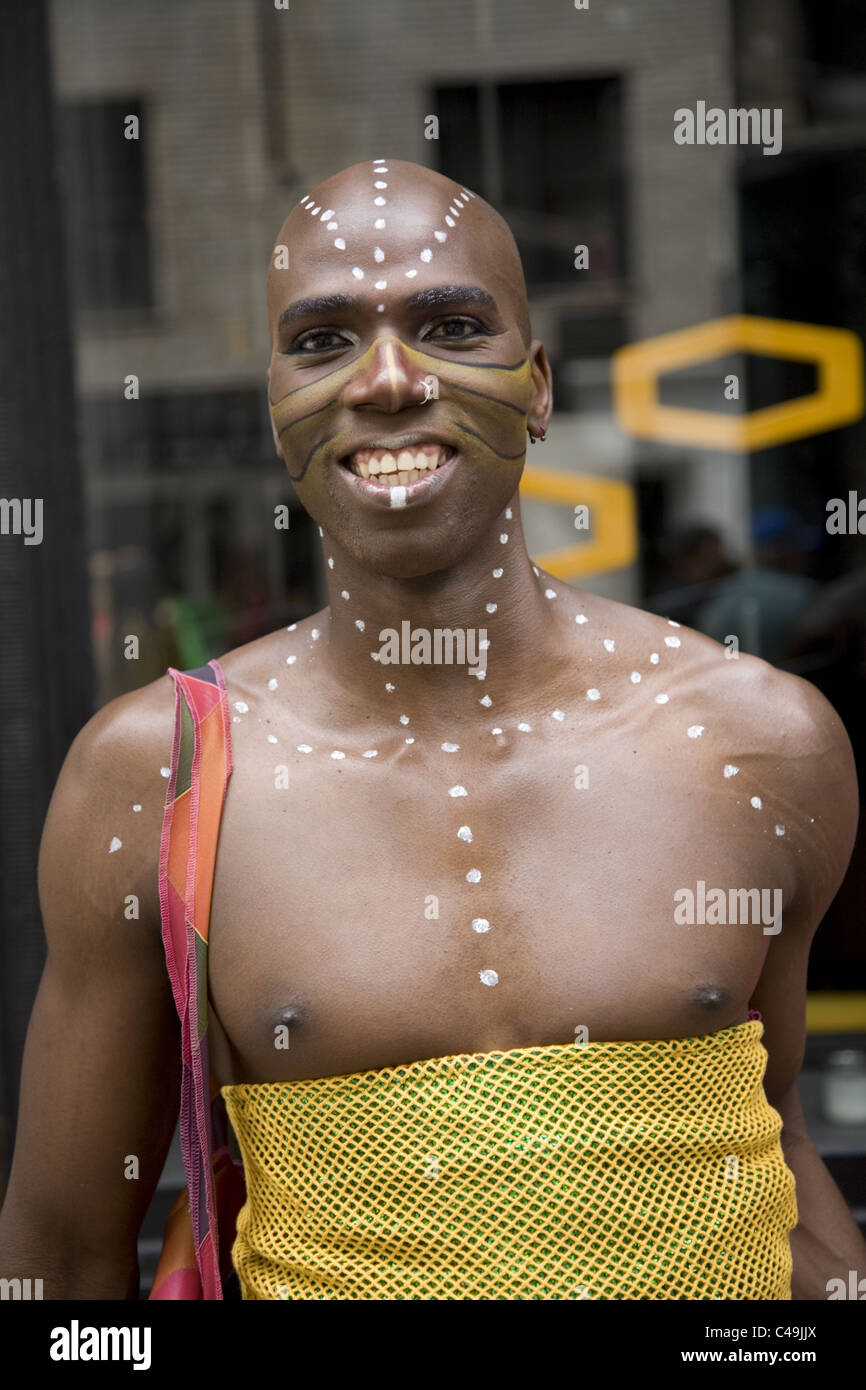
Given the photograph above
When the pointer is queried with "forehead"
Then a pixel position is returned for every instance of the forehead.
(383, 229)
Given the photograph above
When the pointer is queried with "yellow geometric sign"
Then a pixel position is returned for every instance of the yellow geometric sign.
(613, 511)
(836, 353)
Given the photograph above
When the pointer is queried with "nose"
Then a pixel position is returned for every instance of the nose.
(387, 380)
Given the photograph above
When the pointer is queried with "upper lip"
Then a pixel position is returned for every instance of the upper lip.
(401, 441)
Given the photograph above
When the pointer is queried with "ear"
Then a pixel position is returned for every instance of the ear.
(541, 405)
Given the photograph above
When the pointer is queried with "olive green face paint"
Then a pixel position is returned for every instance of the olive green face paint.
(484, 404)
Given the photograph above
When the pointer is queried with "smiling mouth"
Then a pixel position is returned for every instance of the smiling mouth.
(399, 466)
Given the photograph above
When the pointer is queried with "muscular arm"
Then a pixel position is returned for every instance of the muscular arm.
(815, 790)
(100, 1077)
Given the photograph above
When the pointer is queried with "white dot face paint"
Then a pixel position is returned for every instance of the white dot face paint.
(398, 496)
(449, 747)
(457, 791)
(593, 694)
(729, 770)
(488, 977)
(464, 833)
(480, 924)
(474, 876)
(115, 845)
(757, 803)
(695, 730)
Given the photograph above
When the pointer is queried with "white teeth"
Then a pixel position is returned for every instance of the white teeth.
(405, 468)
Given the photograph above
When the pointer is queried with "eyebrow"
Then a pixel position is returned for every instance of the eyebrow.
(438, 297)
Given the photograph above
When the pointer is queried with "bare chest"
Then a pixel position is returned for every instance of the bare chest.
(432, 901)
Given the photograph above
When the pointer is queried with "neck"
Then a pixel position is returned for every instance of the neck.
(413, 624)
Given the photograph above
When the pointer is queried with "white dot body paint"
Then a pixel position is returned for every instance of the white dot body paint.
(503, 538)
(271, 738)
(480, 924)
(426, 254)
(379, 224)
(550, 593)
(389, 687)
(290, 660)
(273, 683)
(304, 748)
(315, 634)
(474, 876)
(136, 807)
(337, 754)
(498, 573)
(671, 623)
(344, 593)
(491, 607)
(339, 243)
(508, 513)
(115, 845)
(673, 642)
(236, 719)
(609, 644)
(485, 701)
(695, 730)
(408, 740)
(371, 753)
(379, 255)
(398, 496)
(457, 791)
(404, 719)
(357, 272)
(525, 728)
(581, 618)
(381, 284)
(780, 829)
(449, 747)
(635, 677)
(593, 694)
(165, 772)
(359, 624)
(292, 626)
(440, 236)
(662, 699)
(241, 706)
(558, 714)
(488, 977)
(757, 803)
(655, 658)
(496, 731)
(330, 562)
(464, 833)
(730, 770)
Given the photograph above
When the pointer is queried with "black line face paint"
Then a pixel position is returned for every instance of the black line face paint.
(492, 411)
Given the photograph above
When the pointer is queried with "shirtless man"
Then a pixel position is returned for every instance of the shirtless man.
(696, 768)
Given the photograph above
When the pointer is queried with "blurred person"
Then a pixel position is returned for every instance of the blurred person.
(697, 559)
(761, 604)
(469, 1041)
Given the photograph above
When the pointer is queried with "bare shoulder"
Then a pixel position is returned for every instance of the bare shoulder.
(780, 738)
(102, 830)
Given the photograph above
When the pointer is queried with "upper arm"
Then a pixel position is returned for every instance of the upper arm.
(813, 789)
(100, 1076)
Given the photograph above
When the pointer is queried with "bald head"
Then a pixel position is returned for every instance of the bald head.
(387, 228)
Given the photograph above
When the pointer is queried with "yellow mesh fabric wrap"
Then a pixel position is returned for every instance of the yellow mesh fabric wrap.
(617, 1170)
